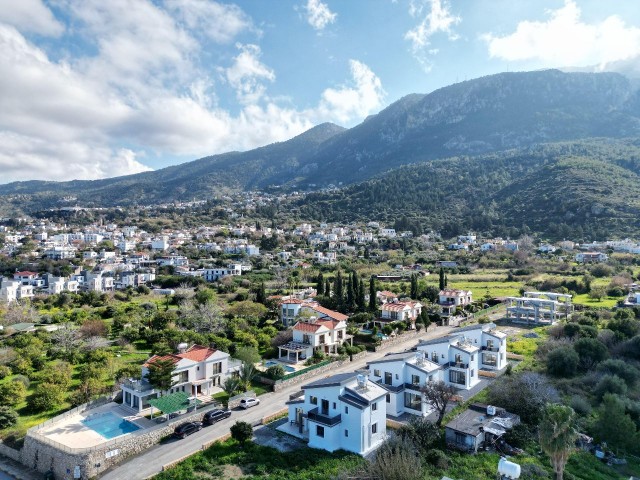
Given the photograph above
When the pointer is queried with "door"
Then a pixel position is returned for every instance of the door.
(324, 406)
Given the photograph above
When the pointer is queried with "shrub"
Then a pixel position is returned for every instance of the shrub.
(46, 396)
(532, 471)
(622, 369)
(437, 458)
(590, 351)
(241, 432)
(12, 393)
(22, 379)
(8, 417)
(275, 372)
(563, 362)
(581, 405)
(610, 384)
(4, 371)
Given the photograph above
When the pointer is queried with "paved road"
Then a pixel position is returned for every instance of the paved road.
(150, 462)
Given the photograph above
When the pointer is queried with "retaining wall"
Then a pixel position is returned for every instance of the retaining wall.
(12, 453)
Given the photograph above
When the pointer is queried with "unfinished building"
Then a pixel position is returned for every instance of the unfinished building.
(539, 308)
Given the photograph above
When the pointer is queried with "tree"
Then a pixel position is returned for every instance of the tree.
(160, 374)
(276, 372)
(441, 283)
(338, 293)
(591, 352)
(557, 435)
(597, 292)
(438, 395)
(562, 362)
(247, 355)
(320, 284)
(422, 432)
(361, 302)
(610, 384)
(614, 426)
(8, 417)
(246, 374)
(261, 294)
(12, 393)
(622, 369)
(46, 396)
(414, 286)
(231, 385)
(351, 293)
(241, 432)
(373, 304)
(327, 288)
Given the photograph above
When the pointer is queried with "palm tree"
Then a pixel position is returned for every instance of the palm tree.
(557, 435)
(231, 385)
(246, 374)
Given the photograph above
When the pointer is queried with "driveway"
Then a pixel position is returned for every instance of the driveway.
(150, 462)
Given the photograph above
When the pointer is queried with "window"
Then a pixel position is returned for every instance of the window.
(458, 358)
(461, 438)
(471, 372)
(346, 433)
(198, 368)
(376, 373)
(320, 431)
(313, 400)
(346, 409)
(489, 344)
(387, 378)
(397, 376)
(388, 398)
(412, 401)
(457, 377)
(306, 339)
(490, 359)
(434, 357)
(334, 405)
(431, 378)
(374, 406)
(374, 428)
(415, 379)
(321, 339)
(472, 358)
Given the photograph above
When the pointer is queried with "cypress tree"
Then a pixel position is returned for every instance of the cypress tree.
(261, 295)
(414, 286)
(360, 297)
(373, 306)
(320, 284)
(442, 280)
(327, 288)
(351, 292)
(338, 292)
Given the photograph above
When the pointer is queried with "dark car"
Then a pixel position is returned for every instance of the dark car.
(188, 428)
(214, 416)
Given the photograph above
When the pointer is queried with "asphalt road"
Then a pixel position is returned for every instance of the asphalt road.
(150, 462)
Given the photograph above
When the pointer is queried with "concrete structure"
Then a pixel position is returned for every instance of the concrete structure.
(539, 308)
(345, 411)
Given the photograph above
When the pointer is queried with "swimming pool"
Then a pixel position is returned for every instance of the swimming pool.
(109, 425)
(271, 363)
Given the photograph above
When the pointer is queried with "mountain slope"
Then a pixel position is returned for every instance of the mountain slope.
(587, 189)
(476, 117)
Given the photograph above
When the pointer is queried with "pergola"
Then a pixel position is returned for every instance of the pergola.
(173, 402)
(292, 349)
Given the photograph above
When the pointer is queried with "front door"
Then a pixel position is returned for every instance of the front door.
(324, 407)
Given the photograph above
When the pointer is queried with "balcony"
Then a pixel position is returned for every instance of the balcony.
(490, 349)
(314, 416)
(391, 388)
(456, 365)
(138, 385)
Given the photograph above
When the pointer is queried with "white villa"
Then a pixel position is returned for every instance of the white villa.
(197, 371)
(450, 299)
(401, 311)
(326, 334)
(591, 257)
(345, 411)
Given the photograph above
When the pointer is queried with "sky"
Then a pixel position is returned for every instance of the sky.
(92, 88)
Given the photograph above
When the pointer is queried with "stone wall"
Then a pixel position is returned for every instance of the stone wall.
(12, 453)
(281, 384)
(234, 402)
(393, 341)
(42, 455)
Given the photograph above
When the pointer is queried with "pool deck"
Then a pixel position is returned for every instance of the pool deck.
(73, 434)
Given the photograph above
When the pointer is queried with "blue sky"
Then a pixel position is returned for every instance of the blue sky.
(94, 88)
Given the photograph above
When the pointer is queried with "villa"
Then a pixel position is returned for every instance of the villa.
(400, 311)
(198, 370)
(324, 334)
(344, 411)
(450, 299)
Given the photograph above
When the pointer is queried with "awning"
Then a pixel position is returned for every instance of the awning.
(173, 402)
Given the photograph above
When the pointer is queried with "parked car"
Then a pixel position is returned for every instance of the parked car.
(214, 416)
(249, 402)
(188, 428)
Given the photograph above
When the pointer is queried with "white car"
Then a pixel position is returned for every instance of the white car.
(249, 402)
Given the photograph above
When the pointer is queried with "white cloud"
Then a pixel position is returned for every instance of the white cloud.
(565, 40)
(30, 16)
(142, 90)
(219, 22)
(436, 17)
(247, 74)
(319, 15)
(357, 101)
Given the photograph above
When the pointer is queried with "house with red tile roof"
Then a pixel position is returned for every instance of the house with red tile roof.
(401, 312)
(198, 370)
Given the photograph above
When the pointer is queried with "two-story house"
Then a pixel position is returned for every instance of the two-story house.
(324, 334)
(492, 343)
(197, 371)
(450, 299)
(403, 375)
(401, 312)
(591, 257)
(344, 411)
(458, 357)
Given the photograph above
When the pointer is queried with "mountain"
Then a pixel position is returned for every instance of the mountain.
(587, 189)
(475, 117)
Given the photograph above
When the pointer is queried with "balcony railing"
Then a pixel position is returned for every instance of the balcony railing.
(138, 385)
(392, 388)
(313, 415)
(490, 349)
(457, 365)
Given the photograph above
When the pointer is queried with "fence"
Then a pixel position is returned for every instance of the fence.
(306, 370)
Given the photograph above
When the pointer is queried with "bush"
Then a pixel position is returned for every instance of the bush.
(622, 369)
(275, 372)
(8, 417)
(241, 432)
(563, 362)
(22, 379)
(437, 458)
(532, 471)
(581, 405)
(12, 393)
(4, 371)
(610, 384)
(590, 351)
(46, 396)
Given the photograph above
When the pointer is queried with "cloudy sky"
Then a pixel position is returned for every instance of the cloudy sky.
(100, 88)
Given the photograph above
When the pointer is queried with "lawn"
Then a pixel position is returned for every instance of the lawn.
(606, 302)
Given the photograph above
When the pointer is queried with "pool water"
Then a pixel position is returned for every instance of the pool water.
(109, 425)
(287, 368)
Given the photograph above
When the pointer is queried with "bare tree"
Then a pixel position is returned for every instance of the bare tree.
(438, 395)
(203, 318)
(19, 313)
(65, 340)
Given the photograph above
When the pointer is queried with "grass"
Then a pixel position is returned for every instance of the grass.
(606, 302)
(264, 463)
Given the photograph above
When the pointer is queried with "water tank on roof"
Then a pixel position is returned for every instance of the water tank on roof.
(182, 347)
(508, 469)
(491, 410)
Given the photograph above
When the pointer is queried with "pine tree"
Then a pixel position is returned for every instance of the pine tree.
(442, 281)
(373, 305)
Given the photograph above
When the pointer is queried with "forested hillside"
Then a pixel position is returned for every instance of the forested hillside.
(583, 190)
